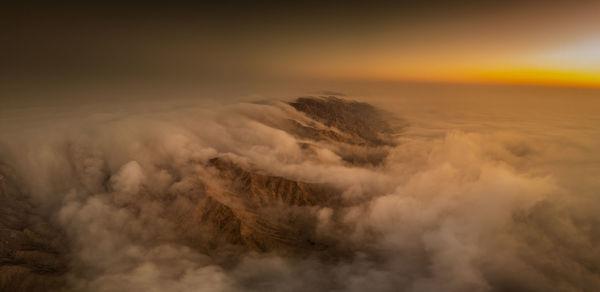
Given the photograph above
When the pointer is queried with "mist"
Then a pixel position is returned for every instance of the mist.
(474, 194)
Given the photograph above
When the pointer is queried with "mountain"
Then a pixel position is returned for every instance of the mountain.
(351, 122)
(32, 252)
(253, 210)
(358, 132)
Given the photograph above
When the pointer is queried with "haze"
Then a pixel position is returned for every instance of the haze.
(431, 146)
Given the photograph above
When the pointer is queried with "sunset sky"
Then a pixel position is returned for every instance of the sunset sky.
(522, 42)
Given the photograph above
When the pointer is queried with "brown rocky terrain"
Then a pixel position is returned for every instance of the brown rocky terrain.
(358, 132)
(32, 251)
(255, 211)
(351, 122)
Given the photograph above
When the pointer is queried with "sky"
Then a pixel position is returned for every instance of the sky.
(515, 42)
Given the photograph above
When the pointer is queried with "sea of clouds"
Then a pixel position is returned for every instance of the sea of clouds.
(458, 210)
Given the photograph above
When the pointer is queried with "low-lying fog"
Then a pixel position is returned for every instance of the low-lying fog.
(487, 189)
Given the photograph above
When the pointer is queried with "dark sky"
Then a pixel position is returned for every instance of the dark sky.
(261, 40)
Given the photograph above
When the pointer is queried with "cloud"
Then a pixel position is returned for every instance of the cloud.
(459, 211)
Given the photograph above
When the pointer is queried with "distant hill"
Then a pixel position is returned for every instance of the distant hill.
(255, 211)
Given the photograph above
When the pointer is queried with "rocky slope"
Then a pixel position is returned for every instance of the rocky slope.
(254, 211)
(358, 132)
(32, 252)
(350, 122)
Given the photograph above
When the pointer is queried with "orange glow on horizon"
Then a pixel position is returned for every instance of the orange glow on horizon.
(464, 71)
(534, 77)
(541, 77)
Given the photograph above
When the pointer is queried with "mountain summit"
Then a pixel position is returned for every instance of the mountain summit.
(250, 209)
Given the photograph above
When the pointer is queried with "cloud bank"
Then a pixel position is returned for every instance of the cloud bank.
(460, 211)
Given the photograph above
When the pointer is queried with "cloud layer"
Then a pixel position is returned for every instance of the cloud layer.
(456, 211)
